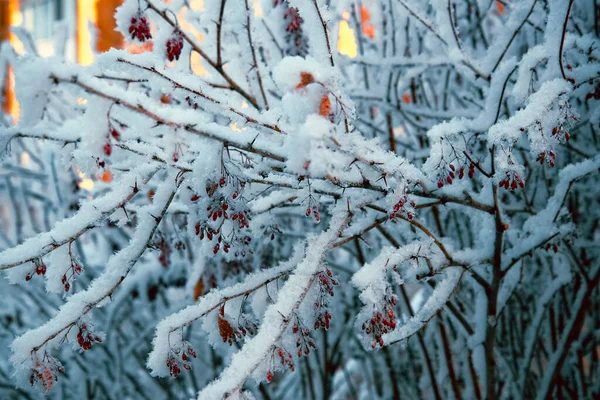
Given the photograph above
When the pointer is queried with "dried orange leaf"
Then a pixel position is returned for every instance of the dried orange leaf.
(106, 176)
(500, 8)
(306, 78)
(198, 289)
(325, 106)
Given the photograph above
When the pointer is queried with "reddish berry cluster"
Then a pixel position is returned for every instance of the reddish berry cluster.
(220, 209)
(304, 341)
(448, 176)
(180, 358)
(165, 252)
(401, 207)
(284, 358)
(314, 211)
(381, 322)
(174, 45)
(294, 20)
(40, 269)
(552, 246)
(559, 132)
(191, 103)
(512, 181)
(46, 372)
(326, 283)
(548, 156)
(293, 29)
(594, 94)
(73, 270)
(85, 338)
(107, 145)
(139, 27)
(270, 230)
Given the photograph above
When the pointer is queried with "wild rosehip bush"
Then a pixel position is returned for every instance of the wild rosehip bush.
(418, 221)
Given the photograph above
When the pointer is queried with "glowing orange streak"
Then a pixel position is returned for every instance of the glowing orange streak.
(86, 14)
(15, 18)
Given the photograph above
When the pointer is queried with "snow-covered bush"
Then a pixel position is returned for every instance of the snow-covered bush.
(418, 221)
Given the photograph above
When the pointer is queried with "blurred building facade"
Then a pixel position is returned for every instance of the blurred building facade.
(88, 28)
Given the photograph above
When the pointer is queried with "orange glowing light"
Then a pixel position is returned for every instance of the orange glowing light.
(346, 40)
(86, 15)
(500, 8)
(365, 20)
(15, 18)
(106, 176)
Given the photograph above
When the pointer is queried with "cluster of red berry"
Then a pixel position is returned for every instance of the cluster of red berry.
(326, 283)
(594, 94)
(314, 211)
(191, 102)
(560, 132)
(108, 146)
(553, 246)
(400, 207)
(139, 27)
(73, 270)
(174, 45)
(85, 338)
(304, 342)
(165, 252)
(381, 322)
(285, 359)
(40, 269)
(180, 359)
(293, 29)
(448, 175)
(512, 181)
(221, 208)
(548, 156)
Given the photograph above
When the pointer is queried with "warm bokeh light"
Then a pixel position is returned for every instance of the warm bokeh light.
(258, 11)
(346, 40)
(86, 15)
(85, 183)
(25, 159)
(106, 176)
(235, 128)
(15, 18)
(365, 20)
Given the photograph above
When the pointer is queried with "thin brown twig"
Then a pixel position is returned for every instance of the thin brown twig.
(140, 109)
(562, 41)
(219, 68)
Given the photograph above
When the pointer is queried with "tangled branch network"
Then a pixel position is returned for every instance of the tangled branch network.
(275, 219)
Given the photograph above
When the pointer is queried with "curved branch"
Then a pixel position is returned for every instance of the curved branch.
(89, 215)
(104, 286)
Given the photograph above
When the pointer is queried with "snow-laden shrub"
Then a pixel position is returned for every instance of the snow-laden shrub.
(419, 221)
